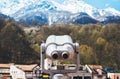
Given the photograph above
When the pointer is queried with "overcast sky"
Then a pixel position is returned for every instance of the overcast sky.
(101, 3)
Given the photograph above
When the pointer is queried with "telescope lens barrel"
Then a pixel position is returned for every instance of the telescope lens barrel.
(65, 55)
(55, 55)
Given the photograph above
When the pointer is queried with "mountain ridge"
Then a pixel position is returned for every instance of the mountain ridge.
(45, 9)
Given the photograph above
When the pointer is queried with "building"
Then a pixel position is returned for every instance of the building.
(5, 71)
(96, 71)
(81, 74)
(112, 74)
(16, 72)
(85, 72)
(24, 71)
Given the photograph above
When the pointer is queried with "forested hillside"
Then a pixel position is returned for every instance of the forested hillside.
(99, 44)
(14, 47)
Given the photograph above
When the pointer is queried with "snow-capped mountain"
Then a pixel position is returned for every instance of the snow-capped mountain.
(112, 11)
(41, 7)
(4, 16)
(9, 7)
(49, 11)
(76, 6)
(38, 13)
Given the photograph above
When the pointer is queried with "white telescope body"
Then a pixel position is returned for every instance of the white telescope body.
(59, 47)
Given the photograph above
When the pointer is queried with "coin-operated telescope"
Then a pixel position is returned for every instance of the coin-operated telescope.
(59, 48)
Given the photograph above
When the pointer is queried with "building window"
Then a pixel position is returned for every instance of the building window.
(87, 77)
(77, 77)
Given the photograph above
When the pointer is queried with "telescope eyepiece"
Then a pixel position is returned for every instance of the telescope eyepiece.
(55, 55)
(65, 55)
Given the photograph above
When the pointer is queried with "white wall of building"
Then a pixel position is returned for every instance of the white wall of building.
(16, 73)
(113, 75)
(96, 77)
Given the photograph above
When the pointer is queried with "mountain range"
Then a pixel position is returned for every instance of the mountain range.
(38, 12)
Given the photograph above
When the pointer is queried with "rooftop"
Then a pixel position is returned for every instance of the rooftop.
(27, 67)
(95, 66)
(7, 66)
(97, 69)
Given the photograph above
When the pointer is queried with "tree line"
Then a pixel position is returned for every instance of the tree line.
(14, 46)
(99, 44)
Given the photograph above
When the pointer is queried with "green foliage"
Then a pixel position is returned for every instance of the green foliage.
(87, 55)
(99, 44)
(14, 47)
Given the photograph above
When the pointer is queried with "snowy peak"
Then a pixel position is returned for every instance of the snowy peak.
(112, 11)
(49, 5)
(39, 6)
(73, 1)
(76, 6)
(9, 7)
(53, 12)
